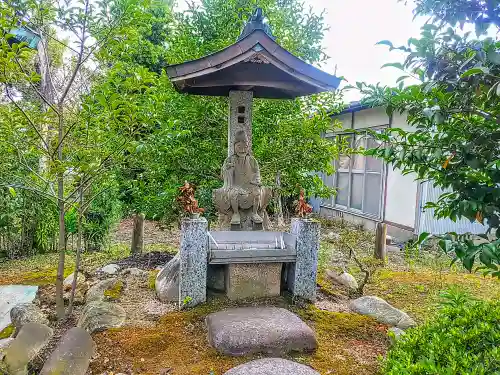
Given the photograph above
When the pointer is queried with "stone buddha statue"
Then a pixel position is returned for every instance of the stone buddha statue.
(242, 197)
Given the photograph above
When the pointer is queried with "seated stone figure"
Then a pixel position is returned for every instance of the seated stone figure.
(242, 196)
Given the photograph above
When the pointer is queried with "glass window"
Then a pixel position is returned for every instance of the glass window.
(358, 179)
(342, 188)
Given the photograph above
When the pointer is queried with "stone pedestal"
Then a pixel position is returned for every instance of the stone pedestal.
(193, 262)
(240, 117)
(302, 274)
(253, 280)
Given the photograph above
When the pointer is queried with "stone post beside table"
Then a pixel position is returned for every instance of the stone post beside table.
(302, 273)
(193, 262)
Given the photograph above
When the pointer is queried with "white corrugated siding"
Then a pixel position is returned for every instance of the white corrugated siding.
(428, 223)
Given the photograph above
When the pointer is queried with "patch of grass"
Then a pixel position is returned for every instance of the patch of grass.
(7, 332)
(115, 291)
(161, 247)
(152, 278)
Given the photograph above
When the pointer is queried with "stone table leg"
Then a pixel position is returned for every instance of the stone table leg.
(302, 273)
(193, 262)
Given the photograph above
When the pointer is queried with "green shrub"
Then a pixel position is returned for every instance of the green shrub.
(464, 338)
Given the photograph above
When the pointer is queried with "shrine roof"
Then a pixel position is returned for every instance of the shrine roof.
(255, 62)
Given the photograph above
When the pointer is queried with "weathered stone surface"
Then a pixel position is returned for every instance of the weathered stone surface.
(382, 311)
(250, 330)
(72, 355)
(27, 313)
(216, 277)
(193, 262)
(167, 281)
(10, 296)
(253, 280)
(96, 291)
(4, 344)
(135, 272)
(345, 279)
(272, 366)
(110, 269)
(302, 273)
(99, 316)
(31, 339)
(68, 281)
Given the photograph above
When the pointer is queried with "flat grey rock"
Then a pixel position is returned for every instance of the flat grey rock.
(249, 330)
(12, 295)
(99, 316)
(381, 311)
(167, 281)
(110, 269)
(27, 313)
(31, 339)
(272, 366)
(72, 355)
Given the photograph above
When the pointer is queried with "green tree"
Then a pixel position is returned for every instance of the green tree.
(185, 137)
(455, 112)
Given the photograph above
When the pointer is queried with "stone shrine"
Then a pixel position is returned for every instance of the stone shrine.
(245, 261)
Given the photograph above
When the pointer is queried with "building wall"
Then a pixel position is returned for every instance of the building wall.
(400, 192)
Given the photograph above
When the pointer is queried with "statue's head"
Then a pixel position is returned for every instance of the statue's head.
(240, 143)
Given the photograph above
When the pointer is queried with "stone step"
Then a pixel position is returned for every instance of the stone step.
(272, 366)
(250, 330)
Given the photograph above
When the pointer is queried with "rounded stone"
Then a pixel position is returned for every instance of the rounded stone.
(110, 269)
(381, 311)
(272, 366)
(27, 313)
(167, 281)
(99, 316)
(250, 330)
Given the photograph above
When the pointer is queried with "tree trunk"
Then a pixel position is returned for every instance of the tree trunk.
(279, 205)
(62, 229)
(138, 235)
(380, 247)
(78, 251)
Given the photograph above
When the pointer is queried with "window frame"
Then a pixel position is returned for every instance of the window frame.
(332, 201)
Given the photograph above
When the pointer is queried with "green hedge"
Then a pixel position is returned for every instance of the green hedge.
(464, 338)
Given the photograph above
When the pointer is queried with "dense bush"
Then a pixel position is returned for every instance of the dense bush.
(464, 338)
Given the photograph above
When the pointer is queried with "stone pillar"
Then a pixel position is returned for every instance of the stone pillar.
(302, 273)
(193, 262)
(240, 117)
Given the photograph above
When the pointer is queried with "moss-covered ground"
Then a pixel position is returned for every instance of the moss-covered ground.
(348, 343)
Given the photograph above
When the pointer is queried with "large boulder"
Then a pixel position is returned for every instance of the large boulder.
(72, 355)
(167, 281)
(31, 339)
(27, 313)
(100, 315)
(104, 290)
(381, 311)
(249, 330)
(272, 366)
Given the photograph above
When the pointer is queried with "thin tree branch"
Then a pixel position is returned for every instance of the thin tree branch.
(27, 118)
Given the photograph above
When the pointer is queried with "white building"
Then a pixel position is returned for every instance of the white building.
(370, 191)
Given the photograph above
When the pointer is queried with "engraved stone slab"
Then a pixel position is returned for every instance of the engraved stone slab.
(302, 274)
(250, 330)
(193, 262)
(272, 366)
(253, 280)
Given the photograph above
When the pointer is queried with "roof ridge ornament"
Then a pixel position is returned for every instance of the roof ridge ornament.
(256, 22)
